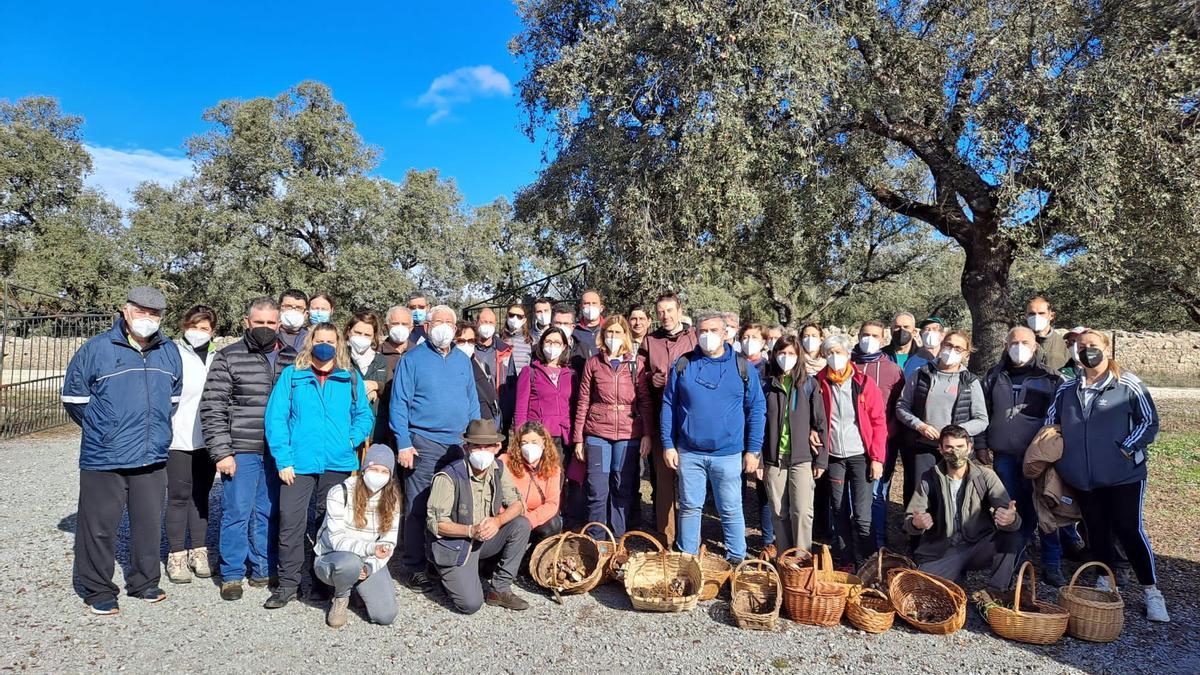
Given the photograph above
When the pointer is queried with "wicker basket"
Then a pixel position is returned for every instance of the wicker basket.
(928, 603)
(1096, 615)
(806, 597)
(606, 548)
(870, 609)
(648, 577)
(874, 571)
(543, 564)
(826, 572)
(1042, 623)
(756, 595)
(716, 571)
(621, 553)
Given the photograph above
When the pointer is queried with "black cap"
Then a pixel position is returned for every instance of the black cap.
(145, 296)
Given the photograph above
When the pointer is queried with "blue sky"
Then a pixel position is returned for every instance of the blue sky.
(431, 84)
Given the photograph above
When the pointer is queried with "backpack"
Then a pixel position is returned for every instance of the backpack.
(682, 362)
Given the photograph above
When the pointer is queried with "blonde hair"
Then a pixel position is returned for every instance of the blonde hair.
(1113, 366)
(626, 341)
(341, 359)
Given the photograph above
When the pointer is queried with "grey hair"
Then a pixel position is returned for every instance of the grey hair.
(731, 317)
(910, 315)
(1013, 331)
(707, 315)
(837, 340)
(395, 308)
(262, 302)
(433, 311)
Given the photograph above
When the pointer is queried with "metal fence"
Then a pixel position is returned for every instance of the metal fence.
(567, 284)
(39, 333)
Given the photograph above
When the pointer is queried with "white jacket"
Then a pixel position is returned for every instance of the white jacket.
(338, 532)
(185, 424)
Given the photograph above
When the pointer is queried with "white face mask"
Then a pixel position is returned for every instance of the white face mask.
(487, 330)
(950, 357)
(730, 333)
(468, 348)
(442, 335)
(752, 346)
(398, 334)
(1020, 354)
(196, 338)
(1038, 323)
(543, 319)
(710, 342)
(292, 319)
(786, 361)
(532, 452)
(591, 312)
(359, 343)
(811, 343)
(374, 480)
(837, 362)
(615, 345)
(552, 352)
(868, 345)
(931, 339)
(515, 323)
(481, 459)
(144, 327)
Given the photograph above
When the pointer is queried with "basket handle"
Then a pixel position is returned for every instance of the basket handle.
(935, 580)
(583, 530)
(772, 573)
(643, 535)
(1112, 578)
(1032, 585)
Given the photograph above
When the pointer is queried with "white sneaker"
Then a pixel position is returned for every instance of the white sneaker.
(1102, 584)
(1156, 606)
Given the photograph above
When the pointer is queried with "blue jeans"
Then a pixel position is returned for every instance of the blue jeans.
(766, 517)
(248, 518)
(724, 473)
(880, 495)
(1020, 490)
(432, 457)
(612, 481)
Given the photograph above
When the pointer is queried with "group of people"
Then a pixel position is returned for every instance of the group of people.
(456, 444)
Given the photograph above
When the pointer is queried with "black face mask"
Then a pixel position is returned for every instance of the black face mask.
(261, 338)
(900, 337)
(1091, 357)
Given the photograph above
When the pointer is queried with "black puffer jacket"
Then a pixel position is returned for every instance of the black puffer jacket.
(803, 411)
(235, 398)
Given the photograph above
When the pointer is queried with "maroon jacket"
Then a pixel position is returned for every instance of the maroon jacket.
(608, 405)
(889, 377)
(658, 353)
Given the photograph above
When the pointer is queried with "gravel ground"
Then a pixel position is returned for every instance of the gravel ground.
(47, 627)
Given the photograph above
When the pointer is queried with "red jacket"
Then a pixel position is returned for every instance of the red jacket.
(658, 353)
(868, 411)
(608, 405)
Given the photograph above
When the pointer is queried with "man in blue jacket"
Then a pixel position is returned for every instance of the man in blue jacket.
(713, 417)
(122, 388)
(433, 399)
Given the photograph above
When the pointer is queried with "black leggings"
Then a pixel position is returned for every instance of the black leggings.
(917, 460)
(1117, 511)
(848, 478)
(189, 479)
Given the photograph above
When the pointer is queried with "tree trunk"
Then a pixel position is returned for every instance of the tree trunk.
(985, 288)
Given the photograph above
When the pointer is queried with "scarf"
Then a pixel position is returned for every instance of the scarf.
(363, 360)
(813, 364)
(840, 378)
(857, 356)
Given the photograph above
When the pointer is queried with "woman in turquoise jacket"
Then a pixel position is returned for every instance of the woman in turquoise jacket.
(317, 417)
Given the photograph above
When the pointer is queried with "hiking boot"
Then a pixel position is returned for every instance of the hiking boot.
(1156, 606)
(507, 600)
(338, 613)
(152, 595)
(262, 582)
(231, 590)
(1053, 576)
(106, 607)
(198, 560)
(280, 597)
(177, 568)
(417, 581)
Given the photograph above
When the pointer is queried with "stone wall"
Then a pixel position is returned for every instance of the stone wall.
(1162, 359)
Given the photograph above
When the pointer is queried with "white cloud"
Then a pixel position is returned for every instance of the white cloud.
(462, 86)
(118, 172)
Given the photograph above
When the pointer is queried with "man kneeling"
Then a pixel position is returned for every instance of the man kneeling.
(468, 528)
(964, 516)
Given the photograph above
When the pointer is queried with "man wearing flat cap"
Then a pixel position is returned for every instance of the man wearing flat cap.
(122, 388)
(476, 520)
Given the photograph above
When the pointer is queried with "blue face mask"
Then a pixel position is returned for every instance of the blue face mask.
(317, 316)
(323, 351)
(418, 316)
